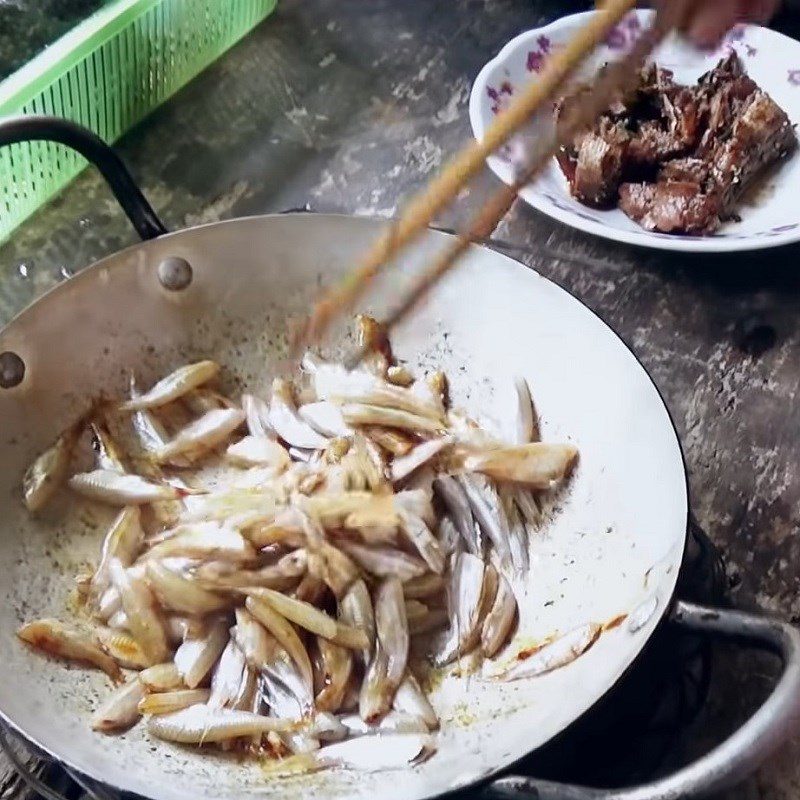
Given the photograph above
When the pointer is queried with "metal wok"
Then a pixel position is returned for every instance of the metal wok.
(224, 291)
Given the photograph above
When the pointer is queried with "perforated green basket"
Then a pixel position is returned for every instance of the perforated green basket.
(107, 74)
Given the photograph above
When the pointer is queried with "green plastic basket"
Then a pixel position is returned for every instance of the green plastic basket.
(107, 74)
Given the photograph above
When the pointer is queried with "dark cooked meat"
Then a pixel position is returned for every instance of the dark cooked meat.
(670, 207)
(677, 159)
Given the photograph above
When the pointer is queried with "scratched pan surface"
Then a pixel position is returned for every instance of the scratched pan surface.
(614, 543)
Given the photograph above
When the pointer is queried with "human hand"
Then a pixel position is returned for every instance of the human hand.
(714, 18)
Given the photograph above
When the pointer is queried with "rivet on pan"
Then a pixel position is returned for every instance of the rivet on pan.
(175, 273)
(12, 370)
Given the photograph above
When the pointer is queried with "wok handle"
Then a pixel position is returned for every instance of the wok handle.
(735, 758)
(30, 128)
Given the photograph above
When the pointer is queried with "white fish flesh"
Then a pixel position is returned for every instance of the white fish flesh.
(500, 620)
(167, 702)
(181, 594)
(256, 413)
(392, 633)
(393, 722)
(211, 430)
(423, 540)
(123, 541)
(457, 503)
(355, 610)
(288, 424)
(555, 655)
(120, 710)
(65, 641)
(538, 465)
(200, 724)
(174, 386)
(422, 454)
(410, 700)
(228, 676)
(385, 562)
(108, 486)
(325, 418)
(360, 414)
(379, 753)
(488, 511)
(197, 655)
(43, 478)
(161, 677)
(259, 451)
(144, 621)
(204, 540)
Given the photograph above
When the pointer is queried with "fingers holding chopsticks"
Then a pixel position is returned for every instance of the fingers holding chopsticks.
(712, 19)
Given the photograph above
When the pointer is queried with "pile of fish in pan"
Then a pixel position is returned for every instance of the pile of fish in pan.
(279, 569)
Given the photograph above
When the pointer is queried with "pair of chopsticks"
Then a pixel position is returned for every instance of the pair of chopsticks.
(616, 80)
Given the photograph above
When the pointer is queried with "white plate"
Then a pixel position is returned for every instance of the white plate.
(770, 217)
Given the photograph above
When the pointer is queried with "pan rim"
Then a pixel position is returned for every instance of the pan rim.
(658, 616)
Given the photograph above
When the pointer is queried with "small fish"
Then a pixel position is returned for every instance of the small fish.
(253, 640)
(457, 503)
(228, 676)
(205, 433)
(369, 391)
(123, 541)
(161, 677)
(359, 414)
(168, 702)
(107, 486)
(123, 648)
(555, 655)
(333, 568)
(379, 753)
(337, 666)
(308, 617)
(411, 700)
(174, 386)
(120, 710)
(109, 603)
(422, 454)
(425, 543)
(537, 465)
(281, 575)
(144, 621)
(450, 539)
(433, 619)
(325, 418)
(198, 654)
(181, 594)
(355, 610)
(200, 724)
(466, 597)
(528, 507)
(424, 586)
(259, 451)
(257, 416)
(525, 427)
(517, 532)
(204, 540)
(394, 442)
(47, 472)
(64, 641)
(393, 722)
(500, 620)
(288, 424)
(374, 698)
(488, 510)
(385, 562)
(284, 633)
(109, 455)
(392, 629)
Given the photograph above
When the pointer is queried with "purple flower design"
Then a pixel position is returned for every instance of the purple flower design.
(750, 50)
(535, 60)
(794, 77)
(785, 228)
(632, 23)
(544, 44)
(499, 96)
(616, 38)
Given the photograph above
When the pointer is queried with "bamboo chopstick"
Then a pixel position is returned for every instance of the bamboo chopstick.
(423, 208)
(618, 79)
